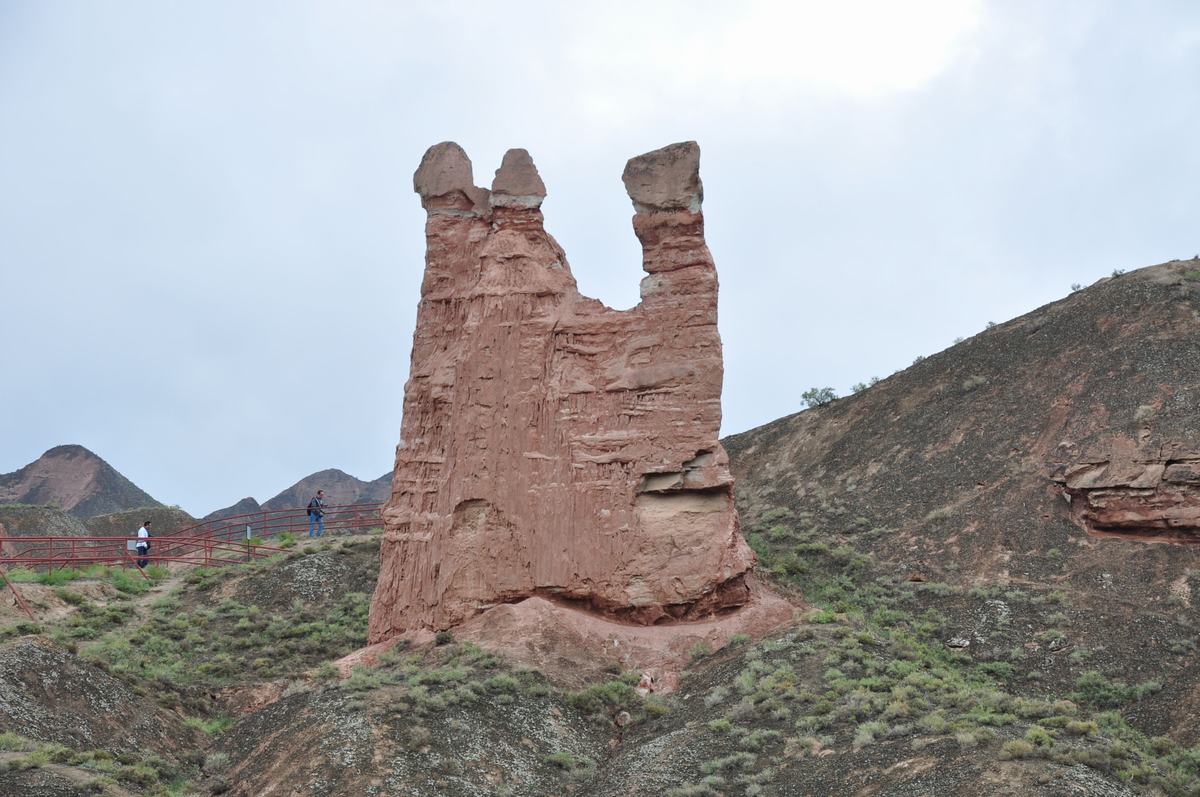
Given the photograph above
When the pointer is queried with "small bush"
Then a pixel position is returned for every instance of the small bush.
(210, 727)
(818, 397)
(1093, 688)
(216, 763)
(128, 582)
(974, 381)
(868, 732)
(67, 596)
(1016, 749)
(722, 725)
(562, 760)
(443, 638)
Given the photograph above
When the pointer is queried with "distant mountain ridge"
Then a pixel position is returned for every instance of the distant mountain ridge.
(340, 488)
(73, 479)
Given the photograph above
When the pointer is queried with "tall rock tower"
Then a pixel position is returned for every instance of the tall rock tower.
(551, 446)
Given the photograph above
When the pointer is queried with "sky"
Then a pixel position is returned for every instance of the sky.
(210, 252)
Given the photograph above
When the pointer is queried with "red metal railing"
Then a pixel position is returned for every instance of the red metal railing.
(67, 551)
(86, 551)
(273, 522)
(215, 542)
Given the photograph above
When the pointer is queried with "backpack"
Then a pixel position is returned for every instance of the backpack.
(314, 507)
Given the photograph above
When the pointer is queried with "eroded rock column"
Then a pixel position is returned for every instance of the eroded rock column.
(552, 446)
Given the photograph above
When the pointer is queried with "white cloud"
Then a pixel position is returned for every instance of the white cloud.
(761, 52)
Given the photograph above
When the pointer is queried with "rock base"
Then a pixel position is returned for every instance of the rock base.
(574, 647)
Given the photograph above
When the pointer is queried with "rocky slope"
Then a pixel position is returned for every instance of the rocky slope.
(863, 698)
(1050, 449)
(74, 479)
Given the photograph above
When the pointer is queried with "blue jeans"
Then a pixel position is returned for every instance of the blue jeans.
(319, 522)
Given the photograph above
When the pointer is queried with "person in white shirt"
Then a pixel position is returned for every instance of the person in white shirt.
(143, 544)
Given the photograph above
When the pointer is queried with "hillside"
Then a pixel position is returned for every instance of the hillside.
(1051, 455)
(27, 520)
(73, 479)
(1048, 449)
(165, 520)
(967, 630)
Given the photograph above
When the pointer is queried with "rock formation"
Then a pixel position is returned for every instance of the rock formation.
(553, 447)
(1131, 493)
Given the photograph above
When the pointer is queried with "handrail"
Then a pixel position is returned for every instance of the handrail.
(271, 519)
(63, 550)
(84, 551)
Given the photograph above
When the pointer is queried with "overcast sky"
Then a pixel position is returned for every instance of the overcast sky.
(210, 251)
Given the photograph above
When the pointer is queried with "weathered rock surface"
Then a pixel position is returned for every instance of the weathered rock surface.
(1150, 495)
(552, 446)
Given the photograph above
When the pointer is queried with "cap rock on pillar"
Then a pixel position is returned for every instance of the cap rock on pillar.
(666, 179)
(517, 182)
(445, 171)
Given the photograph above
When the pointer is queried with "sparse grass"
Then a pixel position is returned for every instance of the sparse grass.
(231, 641)
(882, 670)
(942, 513)
(213, 726)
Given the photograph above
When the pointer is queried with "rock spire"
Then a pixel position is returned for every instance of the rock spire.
(552, 447)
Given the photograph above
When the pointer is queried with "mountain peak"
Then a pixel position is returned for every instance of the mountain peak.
(73, 478)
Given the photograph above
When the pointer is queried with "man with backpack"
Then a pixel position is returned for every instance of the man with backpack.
(316, 514)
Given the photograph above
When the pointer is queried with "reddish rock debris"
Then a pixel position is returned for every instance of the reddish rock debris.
(552, 446)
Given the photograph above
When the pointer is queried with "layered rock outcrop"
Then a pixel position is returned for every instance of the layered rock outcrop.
(1153, 496)
(552, 446)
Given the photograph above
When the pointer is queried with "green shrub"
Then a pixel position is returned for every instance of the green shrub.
(210, 727)
(22, 575)
(818, 397)
(129, 582)
(721, 725)
(1017, 749)
(614, 695)
(62, 575)
(1095, 689)
(868, 732)
(67, 596)
(739, 761)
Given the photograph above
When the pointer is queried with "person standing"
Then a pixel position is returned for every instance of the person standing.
(143, 544)
(316, 514)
